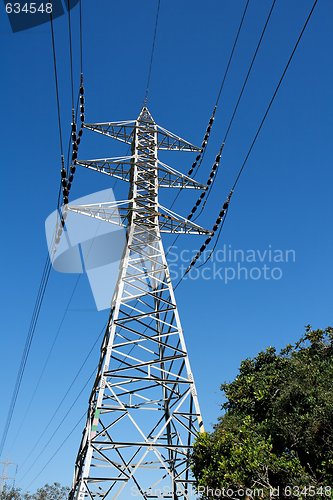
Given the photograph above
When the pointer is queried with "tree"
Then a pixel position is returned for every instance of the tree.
(10, 493)
(53, 491)
(277, 426)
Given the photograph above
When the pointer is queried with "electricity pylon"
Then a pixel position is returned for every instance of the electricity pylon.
(143, 410)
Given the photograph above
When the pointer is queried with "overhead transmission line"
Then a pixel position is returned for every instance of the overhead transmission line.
(198, 161)
(150, 67)
(199, 158)
(238, 175)
(223, 79)
(48, 265)
(241, 169)
(43, 432)
(222, 83)
(46, 362)
(75, 140)
(58, 449)
(215, 172)
(27, 347)
(59, 425)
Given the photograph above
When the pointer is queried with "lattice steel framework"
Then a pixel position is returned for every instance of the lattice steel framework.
(143, 410)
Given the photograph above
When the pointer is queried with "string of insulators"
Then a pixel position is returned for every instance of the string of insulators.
(218, 221)
(59, 229)
(204, 143)
(66, 180)
(82, 116)
(212, 174)
(76, 139)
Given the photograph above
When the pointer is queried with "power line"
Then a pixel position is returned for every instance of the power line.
(232, 53)
(70, 51)
(274, 95)
(48, 265)
(228, 64)
(152, 52)
(264, 117)
(81, 37)
(56, 85)
(239, 98)
(65, 395)
(47, 360)
(198, 160)
(57, 450)
(59, 425)
(27, 347)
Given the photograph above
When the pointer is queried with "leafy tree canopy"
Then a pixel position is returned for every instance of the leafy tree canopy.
(277, 424)
(53, 491)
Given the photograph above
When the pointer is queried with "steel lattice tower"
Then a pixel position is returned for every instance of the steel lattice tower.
(143, 410)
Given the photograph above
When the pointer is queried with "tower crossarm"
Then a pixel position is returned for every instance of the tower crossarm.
(124, 132)
(120, 168)
(118, 213)
(113, 212)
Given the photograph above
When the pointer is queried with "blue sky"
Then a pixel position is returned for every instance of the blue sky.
(283, 200)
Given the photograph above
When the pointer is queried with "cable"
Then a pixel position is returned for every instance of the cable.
(208, 193)
(27, 347)
(274, 95)
(232, 54)
(81, 38)
(240, 97)
(200, 157)
(267, 112)
(46, 361)
(198, 160)
(70, 51)
(152, 53)
(56, 86)
(59, 425)
(64, 398)
(48, 265)
(57, 450)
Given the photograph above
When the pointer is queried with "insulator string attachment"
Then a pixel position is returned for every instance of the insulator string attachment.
(216, 226)
(197, 162)
(209, 182)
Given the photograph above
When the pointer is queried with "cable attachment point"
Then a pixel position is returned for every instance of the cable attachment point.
(204, 143)
(209, 182)
(216, 225)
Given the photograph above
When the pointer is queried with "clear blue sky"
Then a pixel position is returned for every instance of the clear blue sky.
(284, 198)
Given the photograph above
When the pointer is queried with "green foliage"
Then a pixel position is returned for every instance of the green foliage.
(10, 493)
(277, 425)
(53, 491)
